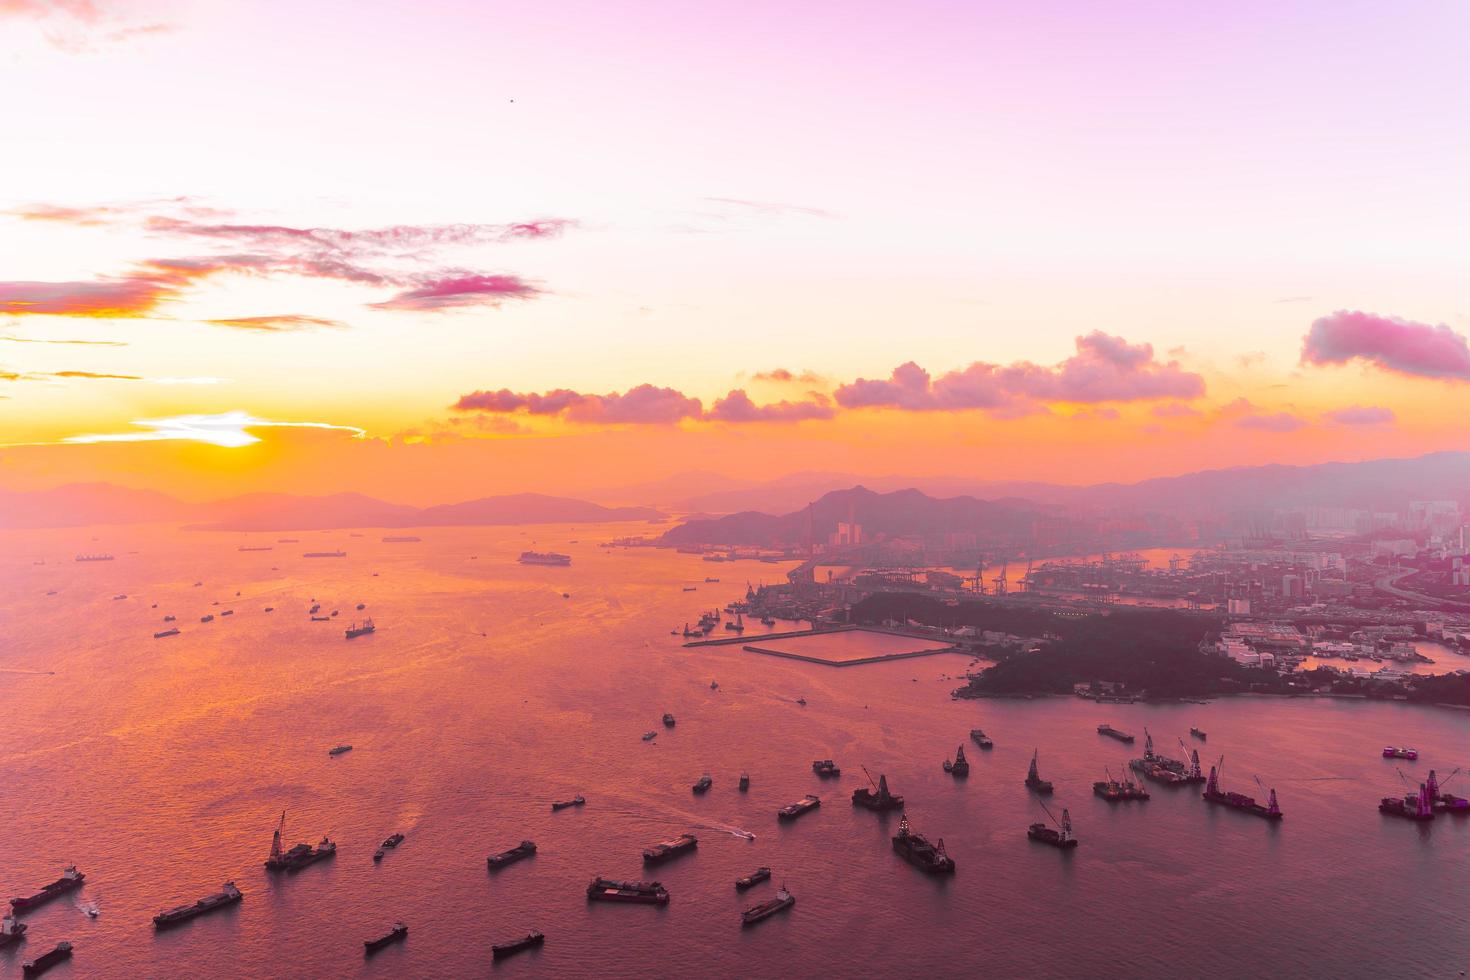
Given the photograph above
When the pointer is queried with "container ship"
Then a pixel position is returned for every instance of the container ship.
(71, 879)
(1060, 837)
(1112, 732)
(1239, 801)
(803, 805)
(669, 849)
(981, 739)
(521, 851)
(754, 878)
(48, 959)
(533, 938)
(641, 892)
(354, 631)
(399, 931)
(300, 855)
(916, 850)
(228, 895)
(878, 798)
(960, 767)
(543, 558)
(1033, 776)
(759, 913)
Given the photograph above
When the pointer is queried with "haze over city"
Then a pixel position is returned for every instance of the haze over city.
(515, 432)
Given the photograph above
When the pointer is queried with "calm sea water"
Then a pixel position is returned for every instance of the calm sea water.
(160, 767)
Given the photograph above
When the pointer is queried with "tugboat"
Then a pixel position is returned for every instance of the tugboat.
(1389, 752)
(981, 739)
(1112, 732)
(577, 800)
(794, 810)
(960, 766)
(705, 782)
(826, 768)
(641, 892)
(754, 878)
(1033, 777)
(399, 931)
(354, 631)
(387, 846)
(228, 895)
(44, 962)
(1197, 733)
(11, 931)
(533, 938)
(744, 781)
(300, 855)
(758, 913)
(1115, 791)
(878, 798)
(1061, 837)
(1239, 801)
(522, 850)
(71, 879)
(669, 849)
(668, 719)
(916, 850)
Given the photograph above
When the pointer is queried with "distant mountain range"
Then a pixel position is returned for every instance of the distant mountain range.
(899, 513)
(101, 503)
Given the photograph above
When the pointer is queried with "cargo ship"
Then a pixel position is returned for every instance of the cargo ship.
(522, 850)
(533, 938)
(981, 739)
(48, 959)
(94, 558)
(207, 618)
(11, 930)
(878, 798)
(259, 547)
(1239, 801)
(1389, 752)
(1033, 776)
(339, 750)
(670, 849)
(325, 554)
(759, 913)
(399, 931)
(1197, 734)
(754, 878)
(1112, 732)
(1060, 837)
(577, 800)
(71, 879)
(401, 539)
(173, 631)
(300, 855)
(794, 810)
(543, 558)
(960, 766)
(1118, 791)
(641, 892)
(916, 850)
(367, 627)
(705, 782)
(826, 768)
(228, 895)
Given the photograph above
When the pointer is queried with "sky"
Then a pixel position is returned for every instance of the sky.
(435, 250)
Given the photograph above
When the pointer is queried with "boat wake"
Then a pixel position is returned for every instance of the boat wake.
(732, 830)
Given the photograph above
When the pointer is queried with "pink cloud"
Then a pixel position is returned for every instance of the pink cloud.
(462, 290)
(1104, 369)
(1401, 346)
(1361, 415)
(284, 323)
(783, 376)
(1274, 422)
(127, 296)
(1173, 410)
(737, 407)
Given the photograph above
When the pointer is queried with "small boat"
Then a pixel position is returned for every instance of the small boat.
(709, 580)
(228, 612)
(649, 736)
(321, 619)
(399, 931)
(1197, 733)
(801, 701)
(714, 685)
(361, 606)
(533, 938)
(705, 782)
(577, 800)
(48, 959)
(754, 878)
(759, 913)
(339, 750)
(689, 588)
(170, 619)
(668, 720)
(270, 608)
(522, 850)
(744, 781)
(1389, 752)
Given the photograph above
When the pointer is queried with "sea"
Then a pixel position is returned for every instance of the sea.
(161, 767)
